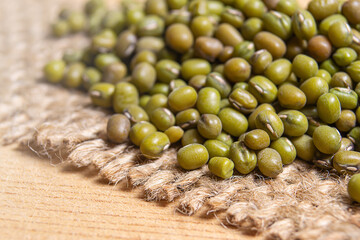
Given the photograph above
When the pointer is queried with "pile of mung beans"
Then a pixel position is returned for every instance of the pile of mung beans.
(241, 84)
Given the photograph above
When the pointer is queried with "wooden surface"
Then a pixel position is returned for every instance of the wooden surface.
(40, 200)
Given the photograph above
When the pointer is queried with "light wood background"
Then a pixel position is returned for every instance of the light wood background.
(40, 200)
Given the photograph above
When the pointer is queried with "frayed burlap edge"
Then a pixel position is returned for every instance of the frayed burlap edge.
(302, 203)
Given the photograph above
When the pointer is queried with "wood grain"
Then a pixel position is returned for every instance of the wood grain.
(43, 201)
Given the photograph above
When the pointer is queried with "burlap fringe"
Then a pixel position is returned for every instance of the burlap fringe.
(302, 203)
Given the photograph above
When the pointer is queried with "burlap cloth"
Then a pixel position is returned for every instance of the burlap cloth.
(302, 203)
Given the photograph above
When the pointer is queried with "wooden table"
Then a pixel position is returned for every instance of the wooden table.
(40, 200)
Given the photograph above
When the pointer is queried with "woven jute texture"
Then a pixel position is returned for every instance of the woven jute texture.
(301, 203)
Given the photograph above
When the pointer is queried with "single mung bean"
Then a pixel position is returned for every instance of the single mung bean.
(327, 139)
(233, 122)
(255, 113)
(209, 126)
(176, 83)
(217, 148)
(143, 56)
(225, 138)
(182, 98)
(126, 44)
(354, 187)
(329, 108)
(295, 122)
(319, 48)
(90, 77)
(341, 79)
(269, 162)
(350, 9)
(54, 71)
(278, 71)
(326, 23)
(217, 81)
(179, 37)
(348, 98)
(60, 28)
(278, 23)
(167, 70)
(354, 136)
(208, 48)
(354, 71)
(285, 148)
(162, 88)
(144, 76)
(313, 88)
(237, 70)
(254, 9)
(344, 56)
(305, 148)
(324, 75)
(192, 136)
(291, 97)
(150, 25)
(340, 34)
(347, 162)
(176, 4)
(304, 24)
(115, 72)
(154, 144)
(162, 118)
(270, 122)
(156, 7)
(304, 67)
(347, 121)
(245, 160)
(192, 156)
(221, 167)
(228, 35)
(208, 101)
(272, 43)
(193, 67)
(260, 60)
(104, 41)
(154, 44)
(156, 101)
(101, 94)
(330, 66)
(288, 7)
(245, 50)
(174, 133)
(135, 113)
(198, 82)
(251, 27)
(263, 89)
(232, 16)
(125, 95)
(105, 59)
(187, 118)
(202, 26)
(118, 128)
(321, 9)
(256, 139)
(346, 145)
(242, 100)
(76, 21)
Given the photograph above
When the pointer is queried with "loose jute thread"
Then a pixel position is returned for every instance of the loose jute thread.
(301, 203)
